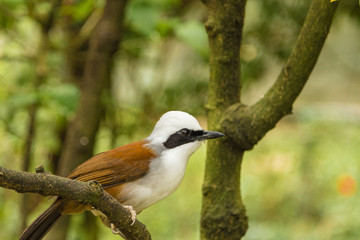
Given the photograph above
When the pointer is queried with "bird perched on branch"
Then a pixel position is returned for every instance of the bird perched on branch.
(138, 174)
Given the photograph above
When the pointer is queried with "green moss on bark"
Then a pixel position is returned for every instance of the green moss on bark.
(223, 213)
(247, 125)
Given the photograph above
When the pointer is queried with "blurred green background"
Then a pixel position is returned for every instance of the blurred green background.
(299, 182)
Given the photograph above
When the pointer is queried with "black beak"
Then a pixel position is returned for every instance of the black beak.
(209, 135)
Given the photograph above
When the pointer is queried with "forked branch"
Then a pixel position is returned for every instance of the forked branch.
(247, 125)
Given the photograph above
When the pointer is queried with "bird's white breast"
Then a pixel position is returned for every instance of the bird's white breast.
(163, 178)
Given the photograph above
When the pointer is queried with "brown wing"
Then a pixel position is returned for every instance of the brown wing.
(116, 166)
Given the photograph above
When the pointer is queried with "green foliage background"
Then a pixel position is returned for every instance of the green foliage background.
(291, 180)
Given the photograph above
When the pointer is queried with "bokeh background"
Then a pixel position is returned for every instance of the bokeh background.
(299, 182)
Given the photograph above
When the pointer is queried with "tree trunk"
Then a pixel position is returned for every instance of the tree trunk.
(223, 213)
(104, 43)
(26, 202)
(80, 136)
(45, 24)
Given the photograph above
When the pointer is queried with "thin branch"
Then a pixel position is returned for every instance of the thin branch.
(247, 125)
(89, 193)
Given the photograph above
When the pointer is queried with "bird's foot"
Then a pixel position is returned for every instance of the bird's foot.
(133, 213)
(115, 230)
(133, 218)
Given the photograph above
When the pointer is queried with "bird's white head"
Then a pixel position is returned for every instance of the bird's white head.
(179, 129)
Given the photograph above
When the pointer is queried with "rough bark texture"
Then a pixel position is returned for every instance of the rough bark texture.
(223, 213)
(89, 193)
(247, 125)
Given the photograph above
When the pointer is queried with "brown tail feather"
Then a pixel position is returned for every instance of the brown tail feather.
(43, 223)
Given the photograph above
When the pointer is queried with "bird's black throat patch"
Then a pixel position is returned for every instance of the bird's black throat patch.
(181, 137)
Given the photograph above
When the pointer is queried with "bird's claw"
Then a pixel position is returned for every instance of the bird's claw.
(115, 230)
(133, 218)
(132, 212)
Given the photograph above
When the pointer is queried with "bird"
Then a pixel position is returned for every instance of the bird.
(138, 174)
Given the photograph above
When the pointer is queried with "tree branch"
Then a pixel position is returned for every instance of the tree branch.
(90, 193)
(247, 125)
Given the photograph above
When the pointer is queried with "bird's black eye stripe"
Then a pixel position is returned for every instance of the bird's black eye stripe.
(181, 137)
(197, 133)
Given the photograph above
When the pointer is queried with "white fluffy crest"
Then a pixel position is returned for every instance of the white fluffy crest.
(171, 122)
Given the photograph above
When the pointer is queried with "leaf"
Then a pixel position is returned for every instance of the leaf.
(193, 34)
(166, 27)
(21, 99)
(64, 97)
(143, 17)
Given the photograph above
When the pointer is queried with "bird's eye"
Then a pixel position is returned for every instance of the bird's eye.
(184, 132)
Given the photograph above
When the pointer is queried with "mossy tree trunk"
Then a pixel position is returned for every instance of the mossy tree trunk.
(223, 212)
